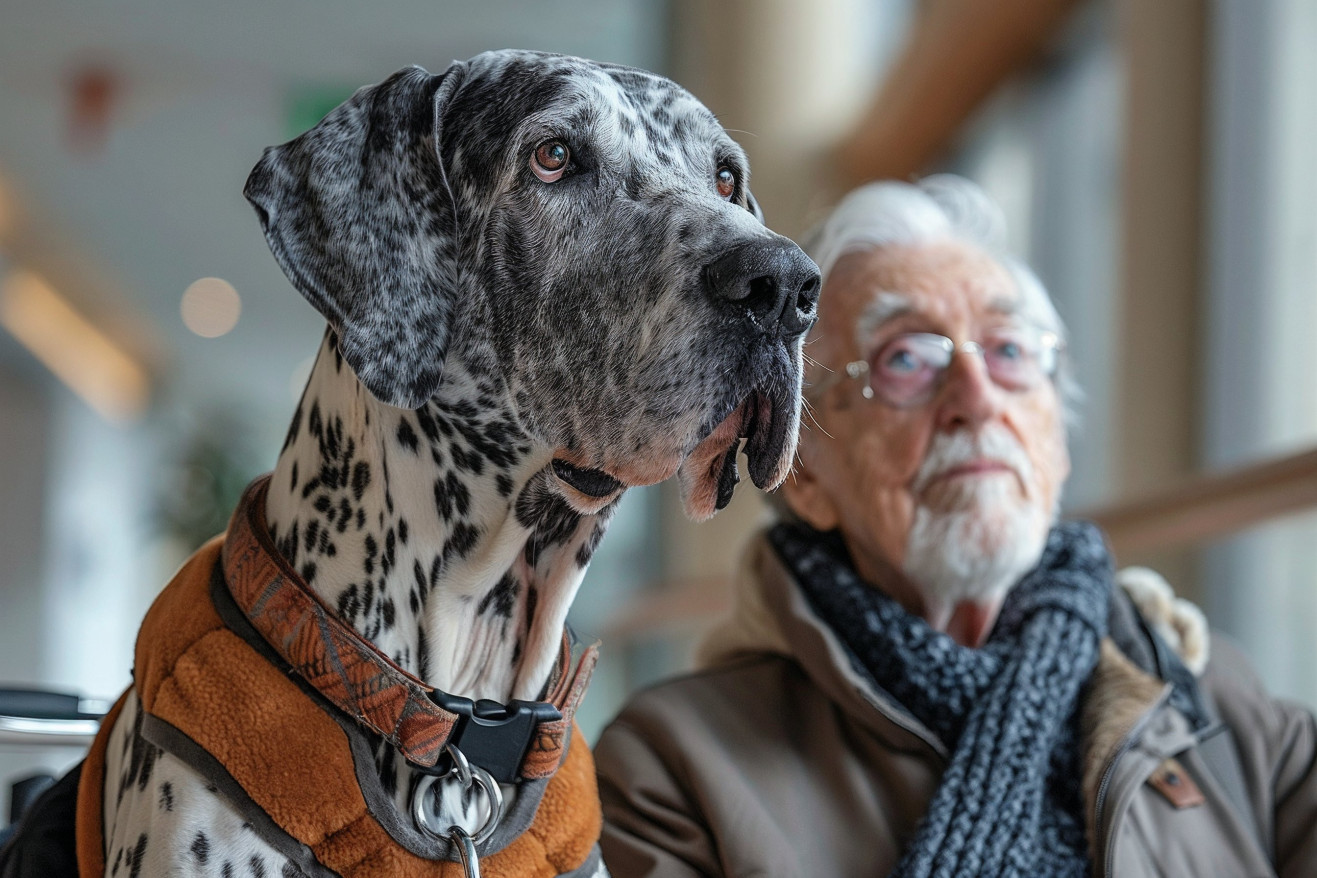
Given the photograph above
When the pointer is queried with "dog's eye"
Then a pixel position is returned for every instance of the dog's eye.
(726, 182)
(549, 160)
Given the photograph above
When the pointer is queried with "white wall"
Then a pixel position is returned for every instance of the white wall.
(76, 568)
(1260, 389)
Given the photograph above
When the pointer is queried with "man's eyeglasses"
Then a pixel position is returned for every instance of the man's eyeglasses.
(907, 370)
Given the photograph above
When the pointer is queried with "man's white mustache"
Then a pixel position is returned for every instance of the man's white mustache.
(951, 450)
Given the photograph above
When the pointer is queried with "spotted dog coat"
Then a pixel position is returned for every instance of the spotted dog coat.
(505, 356)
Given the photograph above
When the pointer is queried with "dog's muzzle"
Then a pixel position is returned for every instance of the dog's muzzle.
(772, 283)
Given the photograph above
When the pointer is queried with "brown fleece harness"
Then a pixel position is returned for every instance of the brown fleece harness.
(240, 716)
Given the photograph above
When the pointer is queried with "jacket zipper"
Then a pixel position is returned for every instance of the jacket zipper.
(1103, 788)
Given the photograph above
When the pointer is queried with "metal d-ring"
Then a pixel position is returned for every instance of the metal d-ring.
(467, 775)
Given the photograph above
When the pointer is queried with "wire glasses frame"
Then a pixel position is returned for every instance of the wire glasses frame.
(908, 370)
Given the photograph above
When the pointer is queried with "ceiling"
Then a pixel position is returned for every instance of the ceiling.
(181, 98)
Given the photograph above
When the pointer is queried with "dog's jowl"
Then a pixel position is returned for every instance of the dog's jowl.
(545, 281)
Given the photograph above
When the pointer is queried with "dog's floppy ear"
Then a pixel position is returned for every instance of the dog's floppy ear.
(359, 215)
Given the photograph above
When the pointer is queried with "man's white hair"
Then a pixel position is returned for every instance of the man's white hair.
(943, 207)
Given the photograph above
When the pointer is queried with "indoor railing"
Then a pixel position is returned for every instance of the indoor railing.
(1193, 512)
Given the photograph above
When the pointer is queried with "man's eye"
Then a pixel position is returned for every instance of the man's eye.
(901, 360)
(1009, 350)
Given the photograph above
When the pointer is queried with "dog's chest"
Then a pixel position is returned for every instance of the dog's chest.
(162, 818)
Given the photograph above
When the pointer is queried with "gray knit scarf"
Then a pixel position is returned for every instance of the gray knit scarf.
(1009, 802)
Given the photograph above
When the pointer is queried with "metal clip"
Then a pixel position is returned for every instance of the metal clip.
(468, 776)
(466, 849)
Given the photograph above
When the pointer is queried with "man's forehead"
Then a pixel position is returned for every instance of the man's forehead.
(881, 285)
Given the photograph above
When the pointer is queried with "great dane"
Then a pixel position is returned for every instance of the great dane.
(545, 280)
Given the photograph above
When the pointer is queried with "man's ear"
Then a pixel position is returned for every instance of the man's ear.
(807, 499)
(359, 215)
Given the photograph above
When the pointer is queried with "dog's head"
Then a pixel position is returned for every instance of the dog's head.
(583, 232)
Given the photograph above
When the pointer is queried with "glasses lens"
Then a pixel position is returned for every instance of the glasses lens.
(1019, 358)
(906, 369)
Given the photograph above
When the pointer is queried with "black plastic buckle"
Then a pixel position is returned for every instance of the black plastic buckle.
(495, 736)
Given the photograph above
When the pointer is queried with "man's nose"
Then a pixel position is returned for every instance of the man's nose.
(968, 397)
(772, 283)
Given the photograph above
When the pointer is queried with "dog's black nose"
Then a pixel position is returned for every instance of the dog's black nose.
(772, 282)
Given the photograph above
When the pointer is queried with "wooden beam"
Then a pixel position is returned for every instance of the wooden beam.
(679, 606)
(1212, 506)
(958, 52)
(1196, 511)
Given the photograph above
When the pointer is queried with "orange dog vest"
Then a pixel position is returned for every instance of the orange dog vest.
(238, 718)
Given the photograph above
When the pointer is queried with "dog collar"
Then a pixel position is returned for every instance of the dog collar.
(520, 740)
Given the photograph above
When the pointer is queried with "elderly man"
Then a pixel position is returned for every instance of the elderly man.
(926, 674)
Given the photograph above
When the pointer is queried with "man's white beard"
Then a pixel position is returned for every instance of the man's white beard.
(980, 549)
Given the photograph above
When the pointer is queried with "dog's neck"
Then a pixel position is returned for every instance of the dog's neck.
(434, 533)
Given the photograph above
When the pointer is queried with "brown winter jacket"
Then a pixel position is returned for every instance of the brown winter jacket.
(777, 759)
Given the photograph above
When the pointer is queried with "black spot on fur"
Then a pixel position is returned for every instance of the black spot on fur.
(501, 598)
(532, 602)
(458, 491)
(138, 855)
(293, 430)
(468, 460)
(407, 436)
(587, 548)
(360, 479)
(427, 424)
(372, 550)
(422, 655)
(461, 541)
(349, 603)
(166, 800)
(443, 501)
(201, 848)
(316, 422)
(141, 760)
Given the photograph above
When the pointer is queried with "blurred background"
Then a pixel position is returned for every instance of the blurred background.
(1154, 161)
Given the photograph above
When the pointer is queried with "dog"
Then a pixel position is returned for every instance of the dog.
(545, 281)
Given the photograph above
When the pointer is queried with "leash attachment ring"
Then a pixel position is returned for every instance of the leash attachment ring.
(469, 776)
